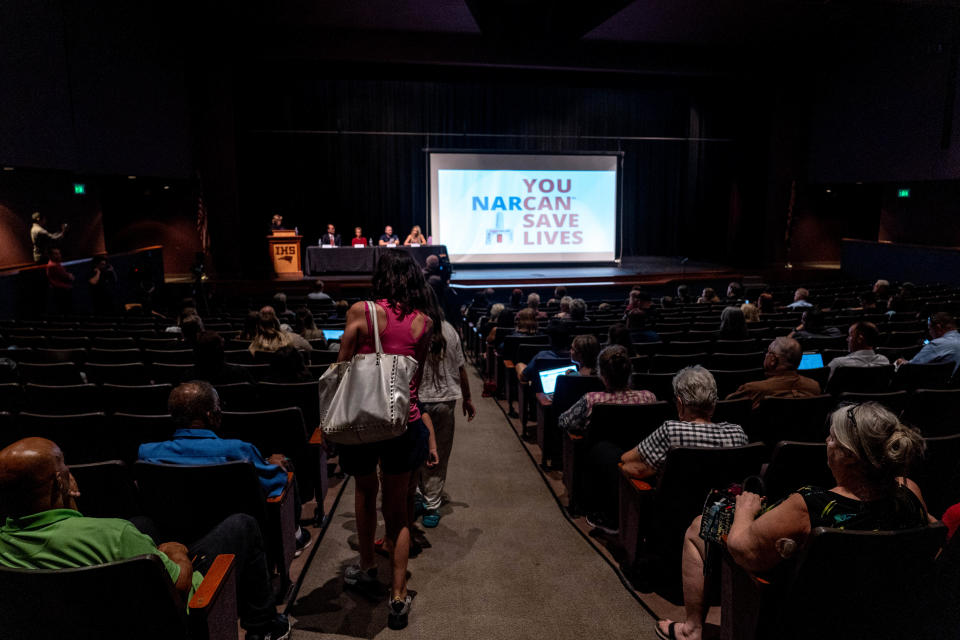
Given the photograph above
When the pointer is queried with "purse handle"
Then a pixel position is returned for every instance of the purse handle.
(372, 310)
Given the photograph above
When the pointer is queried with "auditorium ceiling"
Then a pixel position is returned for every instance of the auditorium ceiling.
(684, 22)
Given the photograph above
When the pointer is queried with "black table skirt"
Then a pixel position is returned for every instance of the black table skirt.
(322, 261)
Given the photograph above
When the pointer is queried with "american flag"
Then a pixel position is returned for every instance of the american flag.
(202, 225)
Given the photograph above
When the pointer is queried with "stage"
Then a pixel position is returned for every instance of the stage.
(651, 271)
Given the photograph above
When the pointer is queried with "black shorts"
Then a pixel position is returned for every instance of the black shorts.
(402, 454)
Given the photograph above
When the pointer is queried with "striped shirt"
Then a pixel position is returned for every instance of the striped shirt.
(678, 433)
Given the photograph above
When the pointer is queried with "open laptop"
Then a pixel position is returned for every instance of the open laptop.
(548, 378)
(332, 335)
(811, 360)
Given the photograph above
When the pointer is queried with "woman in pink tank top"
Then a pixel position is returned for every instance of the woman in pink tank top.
(407, 314)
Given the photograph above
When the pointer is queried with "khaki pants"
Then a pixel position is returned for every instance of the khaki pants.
(432, 480)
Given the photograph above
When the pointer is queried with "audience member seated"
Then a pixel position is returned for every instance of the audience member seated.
(683, 295)
(638, 301)
(188, 311)
(251, 326)
(284, 315)
(308, 327)
(516, 299)
(564, 313)
(316, 294)
(750, 312)
(195, 410)
(708, 296)
(868, 452)
(782, 380)
(695, 392)
(861, 340)
(944, 343)
(734, 292)
(800, 299)
(733, 324)
(533, 302)
(619, 334)
(904, 302)
(766, 302)
(190, 330)
(615, 369)
(526, 325)
(288, 367)
(578, 312)
(583, 352)
(812, 325)
(103, 286)
(637, 324)
(44, 530)
(270, 337)
(209, 364)
(60, 282)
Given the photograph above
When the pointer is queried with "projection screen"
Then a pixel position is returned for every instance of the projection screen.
(490, 208)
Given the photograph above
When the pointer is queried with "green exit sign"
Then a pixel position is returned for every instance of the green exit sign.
(903, 193)
(79, 188)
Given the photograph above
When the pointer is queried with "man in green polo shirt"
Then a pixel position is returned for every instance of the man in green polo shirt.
(44, 530)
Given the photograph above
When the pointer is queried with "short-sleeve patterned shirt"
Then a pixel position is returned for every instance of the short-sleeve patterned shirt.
(575, 418)
(678, 433)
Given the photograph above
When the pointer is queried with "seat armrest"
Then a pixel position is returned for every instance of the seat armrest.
(283, 495)
(575, 437)
(509, 364)
(213, 608)
(316, 437)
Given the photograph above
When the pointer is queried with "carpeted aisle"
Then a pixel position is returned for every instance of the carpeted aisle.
(504, 562)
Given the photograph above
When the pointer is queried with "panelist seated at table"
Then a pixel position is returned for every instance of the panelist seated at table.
(358, 239)
(389, 239)
(416, 237)
(331, 238)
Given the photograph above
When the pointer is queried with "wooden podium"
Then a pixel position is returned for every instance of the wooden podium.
(285, 254)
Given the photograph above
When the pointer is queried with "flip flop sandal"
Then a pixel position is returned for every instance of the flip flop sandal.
(669, 635)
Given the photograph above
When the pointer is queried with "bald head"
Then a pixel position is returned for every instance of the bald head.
(786, 354)
(34, 478)
(194, 403)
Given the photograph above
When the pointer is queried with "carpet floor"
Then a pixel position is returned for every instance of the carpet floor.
(503, 563)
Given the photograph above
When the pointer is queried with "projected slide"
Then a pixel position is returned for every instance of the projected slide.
(498, 208)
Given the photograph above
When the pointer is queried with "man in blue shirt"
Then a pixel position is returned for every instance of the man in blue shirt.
(195, 409)
(944, 345)
(389, 238)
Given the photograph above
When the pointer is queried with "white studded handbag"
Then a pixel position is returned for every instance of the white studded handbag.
(368, 398)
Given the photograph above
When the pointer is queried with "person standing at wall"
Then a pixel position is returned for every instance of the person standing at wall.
(42, 239)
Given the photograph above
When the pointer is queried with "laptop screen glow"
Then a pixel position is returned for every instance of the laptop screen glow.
(548, 378)
(333, 334)
(811, 360)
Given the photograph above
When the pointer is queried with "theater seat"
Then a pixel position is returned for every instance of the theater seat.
(798, 419)
(796, 464)
(860, 379)
(938, 474)
(653, 521)
(119, 600)
(64, 399)
(936, 412)
(624, 425)
(147, 399)
(62, 373)
(129, 431)
(861, 584)
(283, 431)
(106, 489)
(238, 396)
(130, 373)
(81, 436)
(187, 501)
(923, 376)
(895, 401)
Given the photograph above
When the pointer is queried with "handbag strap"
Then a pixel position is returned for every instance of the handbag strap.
(372, 310)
